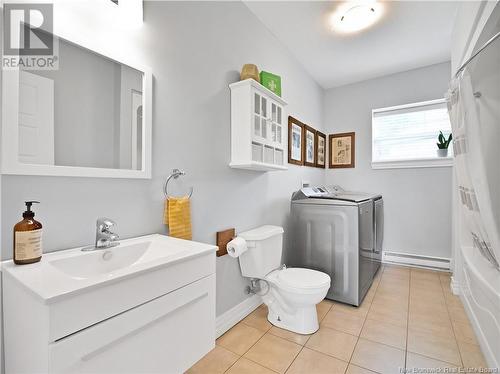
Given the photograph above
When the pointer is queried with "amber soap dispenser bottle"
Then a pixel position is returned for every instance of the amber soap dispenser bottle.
(28, 238)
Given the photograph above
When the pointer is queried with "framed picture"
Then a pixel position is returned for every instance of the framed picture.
(342, 150)
(309, 146)
(320, 150)
(295, 141)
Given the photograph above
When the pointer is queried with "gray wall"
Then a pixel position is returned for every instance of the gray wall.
(84, 107)
(417, 201)
(92, 104)
(192, 68)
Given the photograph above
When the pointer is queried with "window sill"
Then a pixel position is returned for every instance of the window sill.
(436, 162)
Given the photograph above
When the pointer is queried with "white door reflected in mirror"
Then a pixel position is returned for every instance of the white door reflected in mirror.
(136, 116)
(36, 119)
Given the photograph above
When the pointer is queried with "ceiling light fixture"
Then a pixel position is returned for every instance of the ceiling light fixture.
(353, 16)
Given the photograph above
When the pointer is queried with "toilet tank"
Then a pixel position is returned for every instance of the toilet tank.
(263, 255)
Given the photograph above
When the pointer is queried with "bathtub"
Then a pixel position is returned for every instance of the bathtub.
(478, 285)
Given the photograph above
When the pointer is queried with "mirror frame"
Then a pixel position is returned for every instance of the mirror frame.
(10, 126)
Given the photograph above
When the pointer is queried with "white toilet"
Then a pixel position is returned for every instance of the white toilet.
(293, 293)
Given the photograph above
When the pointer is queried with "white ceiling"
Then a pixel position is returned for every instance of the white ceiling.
(409, 35)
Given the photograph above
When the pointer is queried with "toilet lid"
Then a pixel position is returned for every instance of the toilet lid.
(303, 278)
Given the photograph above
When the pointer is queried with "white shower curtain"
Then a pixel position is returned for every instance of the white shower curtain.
(472, 168)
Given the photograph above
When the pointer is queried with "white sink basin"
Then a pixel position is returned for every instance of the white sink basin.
(101, 261)
(73, 270)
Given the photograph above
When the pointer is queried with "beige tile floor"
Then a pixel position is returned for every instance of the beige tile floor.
(409, 319)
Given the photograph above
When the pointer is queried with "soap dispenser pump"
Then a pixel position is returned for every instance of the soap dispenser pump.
(28, 238)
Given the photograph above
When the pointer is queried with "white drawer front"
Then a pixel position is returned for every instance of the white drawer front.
(86, 309)
(165, 335)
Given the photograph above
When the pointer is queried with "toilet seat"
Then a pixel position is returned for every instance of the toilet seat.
(299, 279)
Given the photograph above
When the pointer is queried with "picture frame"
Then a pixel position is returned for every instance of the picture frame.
(342, 150)
(295, 141)
(320, 150)
(309, 147)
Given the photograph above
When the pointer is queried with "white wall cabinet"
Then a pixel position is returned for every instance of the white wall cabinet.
(258, 128)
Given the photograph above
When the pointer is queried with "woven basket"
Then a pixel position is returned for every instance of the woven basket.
(250, 71)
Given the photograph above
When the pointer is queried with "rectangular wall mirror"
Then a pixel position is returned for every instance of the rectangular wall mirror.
(90, 117)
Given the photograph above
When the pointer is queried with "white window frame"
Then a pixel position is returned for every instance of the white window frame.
(431, 162)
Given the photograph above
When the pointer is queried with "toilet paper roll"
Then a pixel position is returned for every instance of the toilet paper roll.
(236, 247)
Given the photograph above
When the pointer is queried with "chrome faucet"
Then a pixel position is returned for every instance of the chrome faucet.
(104, 238)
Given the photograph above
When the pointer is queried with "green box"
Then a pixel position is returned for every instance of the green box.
(271, 81)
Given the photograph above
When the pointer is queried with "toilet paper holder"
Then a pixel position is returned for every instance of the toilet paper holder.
(224, 237)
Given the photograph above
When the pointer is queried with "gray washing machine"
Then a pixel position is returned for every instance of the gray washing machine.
(340, 233)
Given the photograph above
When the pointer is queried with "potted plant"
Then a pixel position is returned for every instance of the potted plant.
(443, 144)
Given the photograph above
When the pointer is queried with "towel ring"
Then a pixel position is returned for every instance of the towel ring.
(176, 173)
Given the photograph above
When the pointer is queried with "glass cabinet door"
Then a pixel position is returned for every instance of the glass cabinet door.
(268, 134)
(256, 115)
(260, 114)
(263, 119)
(277, 125)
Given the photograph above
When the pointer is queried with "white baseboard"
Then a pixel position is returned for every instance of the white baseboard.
(408, 259)
(234, 315)
(455, 286)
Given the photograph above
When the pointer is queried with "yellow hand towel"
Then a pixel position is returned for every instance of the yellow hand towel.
(177, 216)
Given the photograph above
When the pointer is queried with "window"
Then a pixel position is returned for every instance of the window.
(406, 135)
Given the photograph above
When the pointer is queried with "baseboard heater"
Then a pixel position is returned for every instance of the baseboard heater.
(408, 259)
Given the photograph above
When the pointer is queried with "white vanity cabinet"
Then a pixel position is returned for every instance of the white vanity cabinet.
(258, 127)
(157, 318)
